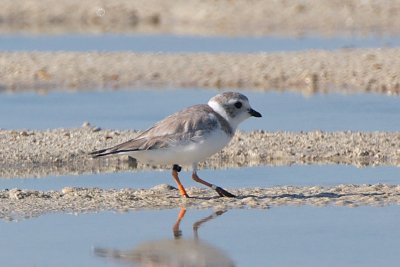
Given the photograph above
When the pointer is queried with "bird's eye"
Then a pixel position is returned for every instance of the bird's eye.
(238, 104)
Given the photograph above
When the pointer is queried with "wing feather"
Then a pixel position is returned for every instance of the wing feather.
(188, 125)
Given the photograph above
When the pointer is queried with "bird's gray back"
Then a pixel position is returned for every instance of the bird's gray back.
(189, 124)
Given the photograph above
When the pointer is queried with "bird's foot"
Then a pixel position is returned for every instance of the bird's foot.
(223, 193)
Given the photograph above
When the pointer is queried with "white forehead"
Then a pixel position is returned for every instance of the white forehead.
(232, 101)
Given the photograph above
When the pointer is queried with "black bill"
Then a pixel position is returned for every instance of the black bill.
(254, 113)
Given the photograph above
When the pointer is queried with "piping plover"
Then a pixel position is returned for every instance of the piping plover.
(189, 136)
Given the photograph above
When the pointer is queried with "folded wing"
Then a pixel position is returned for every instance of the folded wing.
(189, 125)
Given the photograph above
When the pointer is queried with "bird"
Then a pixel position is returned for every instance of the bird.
(188, 137)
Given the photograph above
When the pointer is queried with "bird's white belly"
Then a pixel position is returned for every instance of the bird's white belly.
(185, 153)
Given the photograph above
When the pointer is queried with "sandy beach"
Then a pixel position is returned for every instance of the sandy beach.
(250, 18)
(347, 71)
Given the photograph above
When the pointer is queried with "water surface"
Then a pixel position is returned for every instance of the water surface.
(184, 44)
(139, 109)
(262, 176)
(283, 236)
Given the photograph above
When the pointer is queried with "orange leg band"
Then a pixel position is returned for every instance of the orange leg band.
(182, 190)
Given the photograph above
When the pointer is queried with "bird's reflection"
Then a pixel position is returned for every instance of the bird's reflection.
(175, 252)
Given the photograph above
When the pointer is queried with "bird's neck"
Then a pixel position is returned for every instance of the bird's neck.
(221, 111)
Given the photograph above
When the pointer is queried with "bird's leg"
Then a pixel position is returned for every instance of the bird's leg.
(221, 192)
(175, 169)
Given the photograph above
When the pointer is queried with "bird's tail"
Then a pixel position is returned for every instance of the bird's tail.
(126, 147)
(102, 152)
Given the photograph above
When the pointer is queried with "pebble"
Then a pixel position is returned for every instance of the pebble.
(163, 187)
(86, 124)
(67, 190)
(15, 194)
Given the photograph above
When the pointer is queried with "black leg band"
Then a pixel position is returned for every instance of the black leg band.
(177, 168)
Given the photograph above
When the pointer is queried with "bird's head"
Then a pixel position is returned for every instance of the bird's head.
(234, 107)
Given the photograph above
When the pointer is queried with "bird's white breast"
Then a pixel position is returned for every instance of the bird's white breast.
(187, 152)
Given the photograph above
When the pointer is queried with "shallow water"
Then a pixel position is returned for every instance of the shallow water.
(263, 176)
(182, 44)
(283, 236)
(125, 109)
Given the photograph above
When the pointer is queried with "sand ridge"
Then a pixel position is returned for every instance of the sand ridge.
(308, 72)
(65, 151)
(199, 17)
(16, 204)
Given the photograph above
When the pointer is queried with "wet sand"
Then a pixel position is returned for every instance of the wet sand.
(18, 204)
(348, 71)
(65, 151)
(198, 17)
